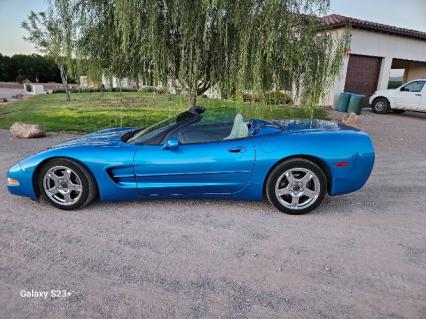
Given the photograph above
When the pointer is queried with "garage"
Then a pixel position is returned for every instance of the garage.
(363, 75)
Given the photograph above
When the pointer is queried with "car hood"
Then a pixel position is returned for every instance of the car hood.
(109, 137)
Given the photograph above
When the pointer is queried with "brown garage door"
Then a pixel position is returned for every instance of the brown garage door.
(363, 75)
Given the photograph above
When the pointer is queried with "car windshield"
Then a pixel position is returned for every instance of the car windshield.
(163, 126)
(152, 130)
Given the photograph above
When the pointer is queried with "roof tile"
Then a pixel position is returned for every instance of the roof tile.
(336, 21)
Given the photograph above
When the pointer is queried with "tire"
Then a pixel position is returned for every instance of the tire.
(296, 187)
(72, 185)
(398, 111)
(381, 106)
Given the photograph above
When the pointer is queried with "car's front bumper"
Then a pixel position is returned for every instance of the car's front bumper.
(21, 182)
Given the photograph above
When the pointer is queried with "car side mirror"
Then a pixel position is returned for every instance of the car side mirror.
(171, 144)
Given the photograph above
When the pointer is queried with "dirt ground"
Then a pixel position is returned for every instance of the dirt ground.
(361, 255)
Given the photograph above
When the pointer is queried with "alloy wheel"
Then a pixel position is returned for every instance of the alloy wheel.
(62, 185)
(297, 188)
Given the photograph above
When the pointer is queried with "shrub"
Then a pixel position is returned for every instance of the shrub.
(147, 89)
(247, 97)
(62, 90)
(117, 90)
(126, 90)
(274, 98)
(153, 89)
(20, 78)
(90, 90)
(161, 90)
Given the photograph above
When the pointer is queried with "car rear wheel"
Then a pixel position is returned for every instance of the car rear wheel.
(296, 186)
(381, 106)
(66, 184)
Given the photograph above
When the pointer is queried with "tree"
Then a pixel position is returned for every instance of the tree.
(33, 67)
(52, 34)
(4, 68)
(235, 44)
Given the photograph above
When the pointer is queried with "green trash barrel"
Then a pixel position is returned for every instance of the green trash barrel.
(343, 102)
(355, 103)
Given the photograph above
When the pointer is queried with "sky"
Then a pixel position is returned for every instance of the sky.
(403, 13)
(408, 14)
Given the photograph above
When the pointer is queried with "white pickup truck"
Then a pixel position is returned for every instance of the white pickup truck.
(408, 97)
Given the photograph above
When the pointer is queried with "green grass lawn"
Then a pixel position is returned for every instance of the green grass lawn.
(88, 112)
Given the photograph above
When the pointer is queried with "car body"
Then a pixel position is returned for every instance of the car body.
(408, 97)
(192, 158)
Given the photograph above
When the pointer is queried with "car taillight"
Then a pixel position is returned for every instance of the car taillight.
(342, 164)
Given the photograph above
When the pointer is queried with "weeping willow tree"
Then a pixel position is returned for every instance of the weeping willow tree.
(235, 45)
(282, 47)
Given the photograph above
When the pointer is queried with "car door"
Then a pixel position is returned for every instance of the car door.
(220, 167)
(409, 96)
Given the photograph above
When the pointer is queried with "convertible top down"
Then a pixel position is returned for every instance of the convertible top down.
(292, 163)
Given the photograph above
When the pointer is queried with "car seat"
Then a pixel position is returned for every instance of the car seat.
(239, 129)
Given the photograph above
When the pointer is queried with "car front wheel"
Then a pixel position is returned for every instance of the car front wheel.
(381, 106)
(66, 184)
(296, 186)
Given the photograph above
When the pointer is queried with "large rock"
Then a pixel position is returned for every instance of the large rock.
(350, 119)
(23, 130)
(3, 100)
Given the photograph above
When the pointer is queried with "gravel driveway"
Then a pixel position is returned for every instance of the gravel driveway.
(9, 93)
(361, 255)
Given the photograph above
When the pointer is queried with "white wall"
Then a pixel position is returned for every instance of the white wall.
(383, 45)
(114, 82)
(379, 45)
(339, 83)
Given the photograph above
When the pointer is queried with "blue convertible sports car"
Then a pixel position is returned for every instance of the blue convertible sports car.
(292, 163)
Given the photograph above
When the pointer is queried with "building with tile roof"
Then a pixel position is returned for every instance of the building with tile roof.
(377, 51)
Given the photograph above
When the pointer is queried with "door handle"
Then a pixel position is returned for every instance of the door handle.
(418, 94)
(236, 149)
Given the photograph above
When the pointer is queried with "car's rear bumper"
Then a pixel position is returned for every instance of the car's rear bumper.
(360, 171)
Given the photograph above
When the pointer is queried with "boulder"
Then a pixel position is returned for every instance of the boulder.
(19, 96)
(23, 130)
(3, 99)
(350, 119)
